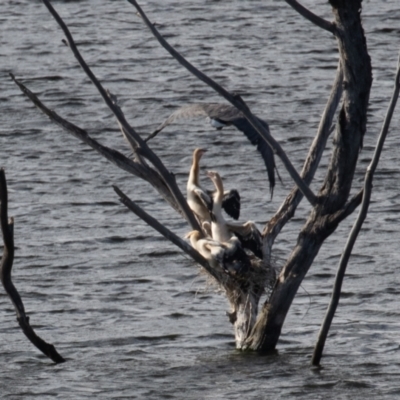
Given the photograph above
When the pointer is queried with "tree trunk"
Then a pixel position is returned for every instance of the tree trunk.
(352, 85)
(332, 198)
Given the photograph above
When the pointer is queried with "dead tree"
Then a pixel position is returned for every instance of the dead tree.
(7, 229)
(260, 329)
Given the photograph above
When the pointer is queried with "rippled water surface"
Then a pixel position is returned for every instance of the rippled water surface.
(129, 311)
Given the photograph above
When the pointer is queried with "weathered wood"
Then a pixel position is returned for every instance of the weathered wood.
(344, 259)
(286, 211)
(336, 187)
(253, 330)
(315, 19)
(243, 292)
(7, 228)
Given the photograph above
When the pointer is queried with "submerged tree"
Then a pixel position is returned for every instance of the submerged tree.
(258, 326)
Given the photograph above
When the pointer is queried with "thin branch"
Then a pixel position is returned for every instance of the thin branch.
(236, 101)
(7, 228)
(348, 209)
(133, 138)
(319, 346)
(142, 171)
(315, 19)
(288, 207)
(172, 237)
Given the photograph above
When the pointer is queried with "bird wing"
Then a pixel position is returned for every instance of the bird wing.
(221, 112)
(231, 203)
(185, 112)
(227, 115)
(249, 236)
(205, 199)
(216, 250)
(267, 154)
(236, 261)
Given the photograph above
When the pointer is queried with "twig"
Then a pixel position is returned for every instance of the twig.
(7, 228)
(236, 101)
(315, 19)
(319, 346)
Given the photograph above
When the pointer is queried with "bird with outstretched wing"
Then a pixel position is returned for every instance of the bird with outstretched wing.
(222, 115)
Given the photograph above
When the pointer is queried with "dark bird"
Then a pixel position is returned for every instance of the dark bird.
(222, 115)
(249, 236)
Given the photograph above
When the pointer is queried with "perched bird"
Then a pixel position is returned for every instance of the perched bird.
(219, 230)
(206, 226)
(222, 115)
(229, 256)
(210, 249)
(200, 200)
(249, 236)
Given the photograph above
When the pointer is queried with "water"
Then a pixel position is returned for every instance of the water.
(128, 310)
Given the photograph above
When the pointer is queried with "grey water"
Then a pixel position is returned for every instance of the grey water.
(133, 316)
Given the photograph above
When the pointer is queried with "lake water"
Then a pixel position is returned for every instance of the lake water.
(129, 311)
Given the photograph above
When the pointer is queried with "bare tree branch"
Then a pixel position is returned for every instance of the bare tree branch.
(288, 207)
(172, 237)
(140, 170)
(348, 208)
(236, 101)
(319, 346)
(133, 138)
(334, 193)
(7, 228)
(315, 19)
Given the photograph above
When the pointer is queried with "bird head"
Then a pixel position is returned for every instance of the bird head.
(206, 228)
(216, 179)
(198, 153)
(193, 234)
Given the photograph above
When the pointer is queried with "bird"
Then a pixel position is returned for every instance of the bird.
(200, 200)
(210, 249)
(220, 116)
(219, 230)
(249, 236)
(229, 256)
(247, 233)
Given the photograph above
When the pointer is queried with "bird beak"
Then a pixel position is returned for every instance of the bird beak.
(187, 236)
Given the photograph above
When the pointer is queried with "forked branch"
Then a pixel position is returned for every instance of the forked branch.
(140, 170)
(172, 237)
(134, 139)
(315, 19)
(288, 207)
(7, 228)
(236, 101)
(319, 346)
